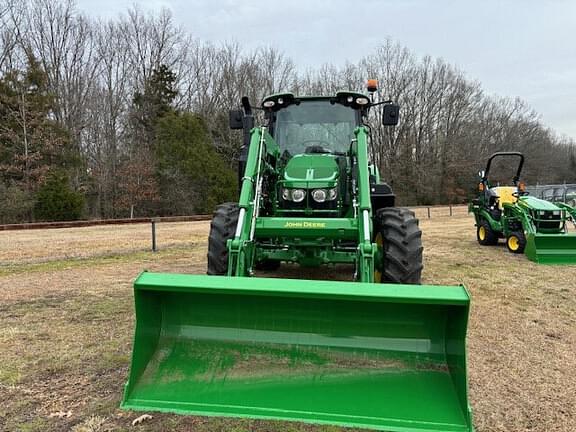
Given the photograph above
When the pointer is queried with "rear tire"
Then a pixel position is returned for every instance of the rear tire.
(222, 228)
(401, 239)
(516, 242)
(485, 234)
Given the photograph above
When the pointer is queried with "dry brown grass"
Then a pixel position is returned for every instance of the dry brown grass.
(522, 333)
(66, 328)
(31, 246)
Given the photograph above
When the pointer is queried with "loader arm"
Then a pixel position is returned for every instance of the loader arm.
(516, 212)
(241, 248)
(570, 210)
(366, 248)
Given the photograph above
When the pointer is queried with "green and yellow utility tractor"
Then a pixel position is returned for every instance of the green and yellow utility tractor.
(380, 351)
(529, 225)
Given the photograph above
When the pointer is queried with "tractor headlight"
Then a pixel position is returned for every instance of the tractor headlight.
(319, 195)
(298, 195)
(332, 194)
(556, 212)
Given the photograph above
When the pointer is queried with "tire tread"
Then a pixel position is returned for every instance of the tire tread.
(222, 228)
(402, 238)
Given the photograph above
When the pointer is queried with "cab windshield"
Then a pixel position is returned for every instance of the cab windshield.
(315, 126)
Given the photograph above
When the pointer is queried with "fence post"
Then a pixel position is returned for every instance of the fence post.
(153, 221)
(428, 212)
(450, 209)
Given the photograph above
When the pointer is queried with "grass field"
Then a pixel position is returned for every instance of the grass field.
(66, 324)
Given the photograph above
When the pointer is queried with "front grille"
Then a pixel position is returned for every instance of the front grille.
(548, 220)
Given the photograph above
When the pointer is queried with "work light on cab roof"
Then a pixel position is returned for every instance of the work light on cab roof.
(372, 85)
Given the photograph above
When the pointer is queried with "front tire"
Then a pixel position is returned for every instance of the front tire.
(222, 228)
(398, 236)
(516, 242)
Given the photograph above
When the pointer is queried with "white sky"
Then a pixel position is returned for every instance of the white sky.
(523, 48)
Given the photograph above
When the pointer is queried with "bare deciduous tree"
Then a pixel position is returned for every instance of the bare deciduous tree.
(96, 68)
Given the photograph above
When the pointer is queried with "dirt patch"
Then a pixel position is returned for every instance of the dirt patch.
(66, 330)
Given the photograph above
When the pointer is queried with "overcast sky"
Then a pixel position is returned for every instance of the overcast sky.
(521, 48)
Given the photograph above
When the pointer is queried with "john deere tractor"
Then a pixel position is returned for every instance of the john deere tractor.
(312, 204)
(529, 225)
(379, 351)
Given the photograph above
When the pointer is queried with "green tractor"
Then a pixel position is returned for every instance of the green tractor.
(380, 351)
(530, 225)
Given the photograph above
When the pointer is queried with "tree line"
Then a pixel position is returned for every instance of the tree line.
(128, 117)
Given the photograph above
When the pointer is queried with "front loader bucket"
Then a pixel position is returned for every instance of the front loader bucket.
(551, 248)
(386, 357)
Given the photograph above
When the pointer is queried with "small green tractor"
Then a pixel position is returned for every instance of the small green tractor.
(380, 351)
(529, 225)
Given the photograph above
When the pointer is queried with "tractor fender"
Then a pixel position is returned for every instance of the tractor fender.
(483, 214)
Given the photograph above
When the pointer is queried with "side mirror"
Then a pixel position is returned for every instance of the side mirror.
(481, 174)
(235, 119)
(390, 114)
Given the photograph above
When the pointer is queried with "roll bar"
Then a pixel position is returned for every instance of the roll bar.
(499, 154)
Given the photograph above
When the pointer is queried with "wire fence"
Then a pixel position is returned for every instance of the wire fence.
(431, 212)
(53, 241)
(421, 212)
(95, 222)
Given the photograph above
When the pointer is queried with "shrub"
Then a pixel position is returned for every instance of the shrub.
(56, 201)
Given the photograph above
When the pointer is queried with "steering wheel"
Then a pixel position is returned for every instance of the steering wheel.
(519, 194)
(318, 148)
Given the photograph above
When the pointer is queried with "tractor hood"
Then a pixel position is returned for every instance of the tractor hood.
(311, 170)
(533, 203)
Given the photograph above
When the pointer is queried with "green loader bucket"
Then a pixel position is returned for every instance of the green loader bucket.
(386, 357)
(551, 248)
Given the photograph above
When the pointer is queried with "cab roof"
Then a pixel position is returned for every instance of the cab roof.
(342, 97)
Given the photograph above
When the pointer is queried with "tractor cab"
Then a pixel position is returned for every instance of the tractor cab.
(314, 136)
(314, 142)
(314, 125)
(321, 124)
